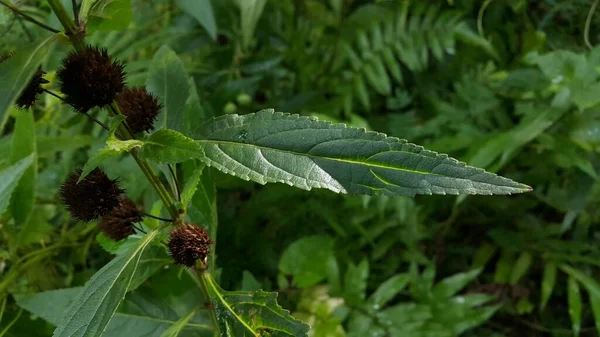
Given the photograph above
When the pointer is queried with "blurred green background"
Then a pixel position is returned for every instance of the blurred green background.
(512, 86)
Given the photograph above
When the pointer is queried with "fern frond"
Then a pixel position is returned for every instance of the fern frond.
(416, 34)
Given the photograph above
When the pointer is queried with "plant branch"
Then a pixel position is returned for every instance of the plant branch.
(70, 29)
(158, 218)
(588, 22)
(175, 181)
(28, 18)
(75, 12)
(92, 118)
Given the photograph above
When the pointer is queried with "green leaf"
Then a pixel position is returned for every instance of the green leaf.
(242, 313)
(168, 80)
(9, 177)
(175, 329)
(23, 145)
(303, 152)
(574, 297)
(548, 282)
(251, 11)
(16, 72)
(113, 148)
(49, 305)
(449, 286)
(521, 267)
(94, 307)
(389, 289)
(170, 147)
(203, 12)
(106, 15)
(306, 260)
(191, 185)
(592, 287)
(355, 283)
(147, 312)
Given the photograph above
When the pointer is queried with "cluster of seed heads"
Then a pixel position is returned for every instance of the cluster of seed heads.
(90, 78)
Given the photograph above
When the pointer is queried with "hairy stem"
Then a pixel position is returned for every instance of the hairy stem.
(28, 18)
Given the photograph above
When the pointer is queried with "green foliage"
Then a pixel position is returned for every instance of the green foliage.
(505, 86)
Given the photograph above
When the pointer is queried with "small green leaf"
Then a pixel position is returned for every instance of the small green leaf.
(170, 147)
(504, 267)
(106, 15)
(451, 285)
(355, 283)
(548, 282)
(93, 308)
(175, 329)
(203, 12)
(483, 255)
(521, 267)
(191, 185)
(23, 145)
(574, 297)
(389, 289)
(306, 260)
(9, 177)
(592, 287)
(168, 80)
(251, 11)
(256, 313)
(303, 152)
(16, 72)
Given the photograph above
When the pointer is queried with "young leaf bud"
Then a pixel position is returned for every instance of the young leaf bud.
(189, 243)
(29, 94)
(95, 196)
(118, 224)
(243, 99)
(140, 107)
(230, 108)
(90, 78)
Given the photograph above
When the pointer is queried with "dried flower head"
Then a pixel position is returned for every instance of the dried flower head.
(32, 89)
(118, 224)
(90, 78)
(140, 107)
(95, 196)
(189, 243)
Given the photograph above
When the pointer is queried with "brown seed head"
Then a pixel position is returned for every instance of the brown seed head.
(90, 78)
(118, 224)
(189, 243)
(140, 107)
(95, 196)
(32, 89)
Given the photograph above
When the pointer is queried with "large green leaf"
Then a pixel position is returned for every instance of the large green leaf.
(95, 305)
(17, 70)
(203, 12)
(244, 313)
(9, 177)
(303, 152)
(168, 80)
(147, 312)
(23, 145)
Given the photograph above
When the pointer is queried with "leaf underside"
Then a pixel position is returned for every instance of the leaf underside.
(306, 153)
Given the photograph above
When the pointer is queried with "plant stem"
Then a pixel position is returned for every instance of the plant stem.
(75, 12)
(62, 15)
(588, 22)
(158, 218)
(92, 118)
(28, 18)
(205, 281)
